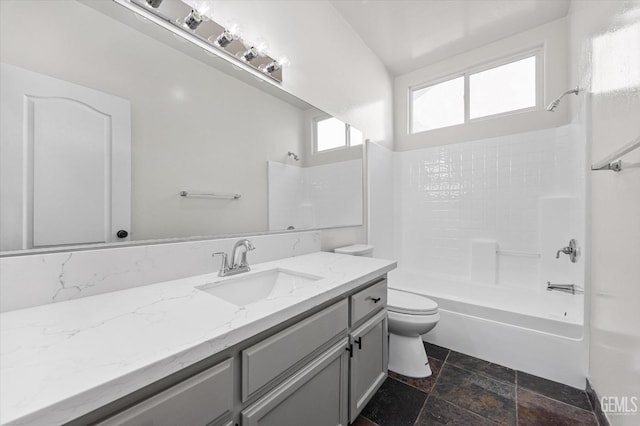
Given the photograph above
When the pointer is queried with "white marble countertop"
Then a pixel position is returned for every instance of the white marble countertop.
(63, 360)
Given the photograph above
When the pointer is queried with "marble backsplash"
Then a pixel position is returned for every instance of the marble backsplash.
(39, 279)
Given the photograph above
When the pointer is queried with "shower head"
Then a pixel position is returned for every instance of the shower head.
(292, 155)
(552, 106)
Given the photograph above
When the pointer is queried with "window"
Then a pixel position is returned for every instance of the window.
(331, 133)
(440, 105)
(501, 89)
(508, 87)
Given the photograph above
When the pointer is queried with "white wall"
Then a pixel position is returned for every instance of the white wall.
(331, 68)
(552, 36)
(605, 44)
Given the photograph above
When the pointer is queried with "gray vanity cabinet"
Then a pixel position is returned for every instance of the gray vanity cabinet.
(319, 370)
(204, 399)
(314, 396)
(368, 363)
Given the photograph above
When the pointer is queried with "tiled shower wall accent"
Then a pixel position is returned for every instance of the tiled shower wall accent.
(39, 279)
(323, 196)
(449, 195)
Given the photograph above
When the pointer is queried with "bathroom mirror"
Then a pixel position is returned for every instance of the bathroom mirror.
(164, 113)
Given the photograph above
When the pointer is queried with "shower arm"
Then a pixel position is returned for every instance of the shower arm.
(552, 106)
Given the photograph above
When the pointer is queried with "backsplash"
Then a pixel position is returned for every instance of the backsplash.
(39, 279)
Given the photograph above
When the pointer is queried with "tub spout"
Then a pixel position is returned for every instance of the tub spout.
(566, 288)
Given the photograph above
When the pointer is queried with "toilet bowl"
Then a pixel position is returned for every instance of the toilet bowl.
(410, 316)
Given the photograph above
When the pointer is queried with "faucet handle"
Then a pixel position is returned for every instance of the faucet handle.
(571, 250)
(224, 266)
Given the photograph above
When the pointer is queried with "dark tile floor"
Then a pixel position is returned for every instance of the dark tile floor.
(468, 391)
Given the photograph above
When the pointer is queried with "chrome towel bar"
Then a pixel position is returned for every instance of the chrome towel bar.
(608, 162)
(216, 195)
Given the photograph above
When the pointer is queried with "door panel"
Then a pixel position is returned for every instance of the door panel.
(65, 167)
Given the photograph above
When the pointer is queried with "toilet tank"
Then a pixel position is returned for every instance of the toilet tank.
(356, 250)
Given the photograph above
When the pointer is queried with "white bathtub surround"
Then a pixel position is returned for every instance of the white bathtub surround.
(39, 279)
(62, 360)
(561, 219)
(306, 197)
(477, 228)
(535, 331)
(484, 261)
(380, 179)
(485, 190)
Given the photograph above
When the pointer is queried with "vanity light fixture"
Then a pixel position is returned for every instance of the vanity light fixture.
(230, 33)
(194, 19)
(184, 19)
(254, 50)
(154, 3)
(275, 65)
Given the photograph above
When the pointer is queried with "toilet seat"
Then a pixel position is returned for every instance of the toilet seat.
(410, 303)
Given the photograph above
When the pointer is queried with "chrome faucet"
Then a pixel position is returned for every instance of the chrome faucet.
(571, 250)
(238, 261)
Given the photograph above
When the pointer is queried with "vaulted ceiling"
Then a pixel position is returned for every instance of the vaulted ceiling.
(409, 34)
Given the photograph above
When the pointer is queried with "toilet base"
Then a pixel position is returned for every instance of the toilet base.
(408, 357)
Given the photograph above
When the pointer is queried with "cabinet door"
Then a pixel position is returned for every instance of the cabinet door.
(199, 400)
(315, 396)
(369, 362)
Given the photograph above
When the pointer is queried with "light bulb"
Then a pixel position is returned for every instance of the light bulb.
(154, 3)
(231, 32)
(259, 48)
(275, 65)
(193, 19)
(200, 11)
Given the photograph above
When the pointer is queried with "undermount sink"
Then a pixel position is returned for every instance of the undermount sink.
(255, 287)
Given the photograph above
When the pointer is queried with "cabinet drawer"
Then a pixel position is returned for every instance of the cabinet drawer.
(368, 301)
(314, 396)
(199, 400)
(270, 358)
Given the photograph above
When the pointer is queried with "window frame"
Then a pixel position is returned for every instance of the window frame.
(347, 136)
(537, 52)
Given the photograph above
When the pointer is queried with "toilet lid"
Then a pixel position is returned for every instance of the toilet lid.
(410, 303)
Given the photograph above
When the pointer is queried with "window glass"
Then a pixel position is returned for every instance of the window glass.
(440, 105)
(355, 136)
(501, 89)
(331, 133)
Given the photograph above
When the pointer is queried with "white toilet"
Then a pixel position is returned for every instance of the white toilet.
(410, 316)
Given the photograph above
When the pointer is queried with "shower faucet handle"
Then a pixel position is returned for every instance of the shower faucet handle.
(571, 250)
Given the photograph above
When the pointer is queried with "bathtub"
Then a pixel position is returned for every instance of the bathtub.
(536, 331)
